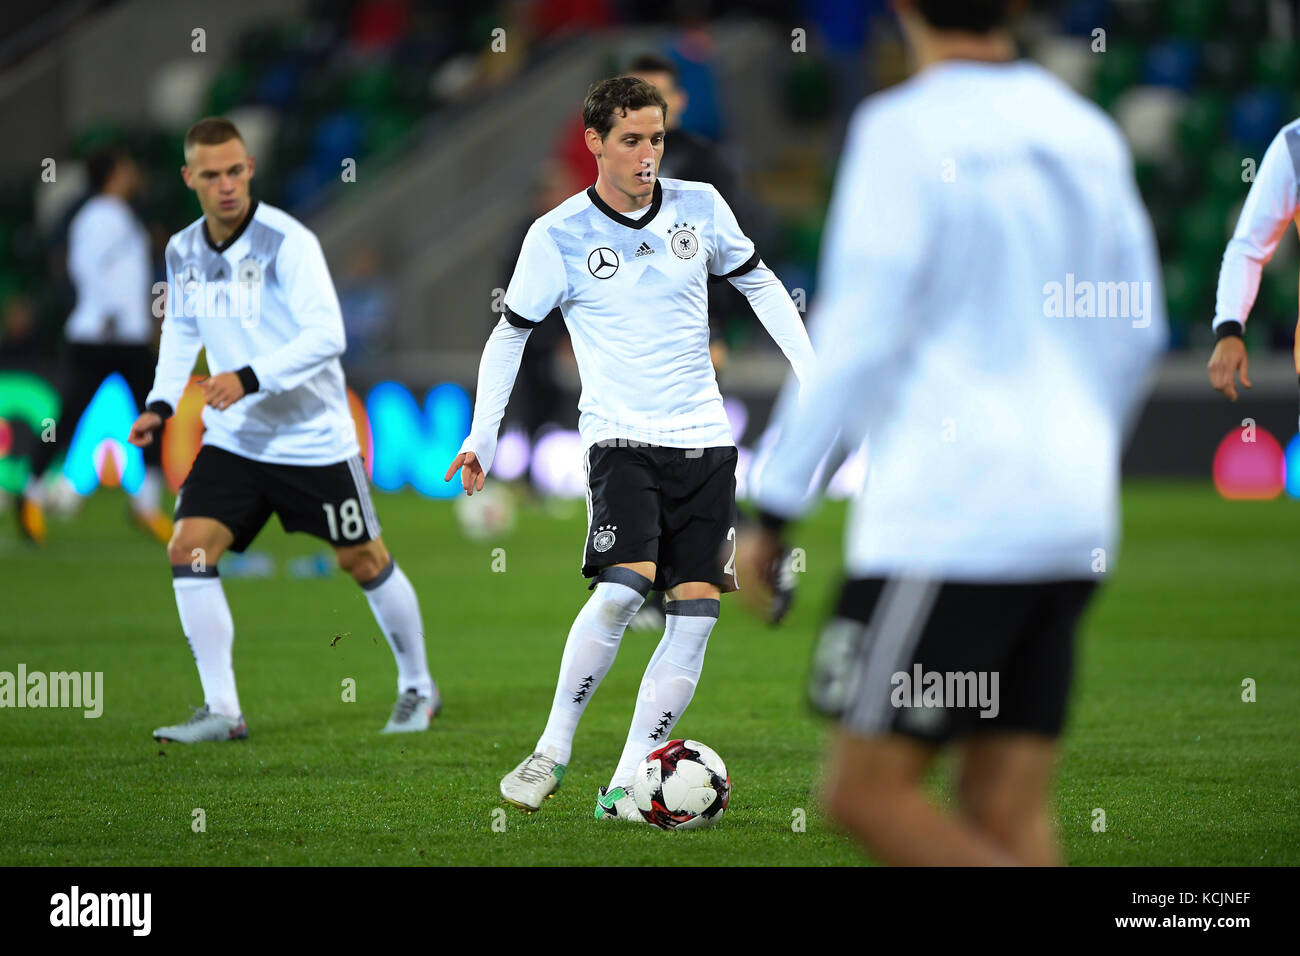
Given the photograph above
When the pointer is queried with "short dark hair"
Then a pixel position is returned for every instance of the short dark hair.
(650, 62)
(101, 163)
(971, 16)
(211, 131)
(618, 94)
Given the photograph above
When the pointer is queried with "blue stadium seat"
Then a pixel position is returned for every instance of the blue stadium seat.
(1256, 117)
(1173, 63)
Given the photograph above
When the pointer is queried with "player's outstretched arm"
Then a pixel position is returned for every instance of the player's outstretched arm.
(496, 380)
(1270, 207)
(472, 475)
(1228, 359)
(776, 310)
(143, 429)
(178, 347)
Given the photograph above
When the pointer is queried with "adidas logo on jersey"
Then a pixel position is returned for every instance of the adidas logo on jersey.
(645, 250)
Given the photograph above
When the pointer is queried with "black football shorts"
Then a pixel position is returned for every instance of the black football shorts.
(937, 660)
(673, 506)
(328, 501)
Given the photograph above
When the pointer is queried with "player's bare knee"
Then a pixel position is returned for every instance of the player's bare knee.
(363, 563)
(185, 547)
(694, 590)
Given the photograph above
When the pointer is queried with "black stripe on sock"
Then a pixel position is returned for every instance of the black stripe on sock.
(695, 607)
(381, 577)
(626, 576)
(187, 571)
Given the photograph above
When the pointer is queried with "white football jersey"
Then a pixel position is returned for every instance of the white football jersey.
(263, 298)
(989, 307)
(1271, 206)
(108, 262)
(633, 290)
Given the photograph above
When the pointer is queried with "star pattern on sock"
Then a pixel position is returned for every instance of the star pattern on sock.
(664, 723)
(584, 688)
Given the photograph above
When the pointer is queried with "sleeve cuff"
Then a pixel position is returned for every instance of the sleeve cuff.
(248, 379)
(160, 408)
(519, 322)
(747, 266)
(1231, 327)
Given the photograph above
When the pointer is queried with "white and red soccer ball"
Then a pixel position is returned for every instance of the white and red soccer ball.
(681, 786)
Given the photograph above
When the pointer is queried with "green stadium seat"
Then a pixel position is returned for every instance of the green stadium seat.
(1193, 18)
(372, 88)
(228, 89)
(1204, 230)
(1277, 64)
(1119, 69)
(1223, 172)
(95, 137)
(1202, 125)
(386, 129)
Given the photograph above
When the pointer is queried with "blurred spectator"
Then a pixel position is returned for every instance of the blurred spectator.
(366, 299)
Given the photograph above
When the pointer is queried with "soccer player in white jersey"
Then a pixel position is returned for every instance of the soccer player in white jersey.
(110, 330)
(627, 261)
(1271, 205)
(249, 283)
(967, 199)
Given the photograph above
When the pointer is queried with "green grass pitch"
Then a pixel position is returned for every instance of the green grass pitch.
(1205, 595)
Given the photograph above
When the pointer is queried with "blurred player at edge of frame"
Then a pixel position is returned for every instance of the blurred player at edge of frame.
(996, 425)
(1271, 205)
(249, 283)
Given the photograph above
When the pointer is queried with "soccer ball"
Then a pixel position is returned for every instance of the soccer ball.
(681, 786)
(486, 514)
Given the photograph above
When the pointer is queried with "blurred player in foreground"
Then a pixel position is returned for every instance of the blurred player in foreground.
(1271, 206)
(627, 262)
(111, 329)
(249, 283)
(967, 199)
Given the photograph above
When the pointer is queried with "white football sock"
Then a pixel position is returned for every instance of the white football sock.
(397, 610)
(205, 618)
(147, 499)
(588, 654)
(669, 682)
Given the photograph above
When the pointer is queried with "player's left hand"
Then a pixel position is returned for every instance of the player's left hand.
(222, 391)
(757, 552)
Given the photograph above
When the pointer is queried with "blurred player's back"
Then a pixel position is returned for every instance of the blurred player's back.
(1012, 217)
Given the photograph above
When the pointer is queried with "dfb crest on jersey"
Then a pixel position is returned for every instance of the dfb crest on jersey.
(249, 271)
(603, 262)
(684, 242)
(604, 539)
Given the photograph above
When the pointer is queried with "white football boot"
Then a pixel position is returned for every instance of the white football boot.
(413, 712)
(204, 725)
(533, 781)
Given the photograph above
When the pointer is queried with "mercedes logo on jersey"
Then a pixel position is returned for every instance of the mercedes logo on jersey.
(603, 262)
(684, 242)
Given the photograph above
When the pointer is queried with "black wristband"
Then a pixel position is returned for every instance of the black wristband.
(160, 408)
(1231, 327)
(248, 379)
(770, 522)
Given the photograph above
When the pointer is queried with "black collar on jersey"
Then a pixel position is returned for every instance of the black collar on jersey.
(231, 239)
(621, 219)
